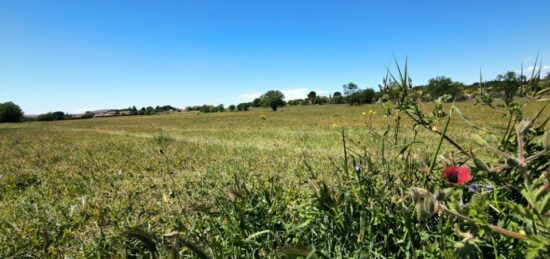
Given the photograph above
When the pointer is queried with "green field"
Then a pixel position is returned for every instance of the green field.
(116, 186)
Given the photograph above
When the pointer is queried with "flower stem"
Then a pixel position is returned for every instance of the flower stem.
(492, 227)
(432, 164)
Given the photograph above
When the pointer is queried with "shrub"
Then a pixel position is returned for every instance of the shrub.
(52, 116)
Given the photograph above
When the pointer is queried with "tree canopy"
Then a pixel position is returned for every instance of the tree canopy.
(272, 99)
(441, 85)
(10, 112)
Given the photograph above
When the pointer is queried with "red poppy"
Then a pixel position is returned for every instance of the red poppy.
(457, 175)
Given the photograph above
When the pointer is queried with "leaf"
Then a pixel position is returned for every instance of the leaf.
(144, 237)
(259, 233)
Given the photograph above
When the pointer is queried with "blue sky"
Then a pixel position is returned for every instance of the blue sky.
(85, 55)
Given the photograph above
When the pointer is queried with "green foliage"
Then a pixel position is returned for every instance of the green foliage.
(273, 99)
(337, 98)
(243, 107)
(89, 115)
(361, 97)
(441, 85)
(350, 88)
(52, 116)
(312, 96)
(10, 112)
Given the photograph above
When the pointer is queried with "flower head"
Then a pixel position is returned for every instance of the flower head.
(473, 187)
(489, 187)
(457, 175)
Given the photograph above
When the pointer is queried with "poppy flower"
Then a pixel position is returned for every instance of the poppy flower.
(457, 175)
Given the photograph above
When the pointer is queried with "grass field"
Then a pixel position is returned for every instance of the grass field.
(117, 186)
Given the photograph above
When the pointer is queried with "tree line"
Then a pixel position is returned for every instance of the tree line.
(503, 86)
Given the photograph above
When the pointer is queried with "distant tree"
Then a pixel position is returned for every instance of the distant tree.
(321, 100)
(547, 77)
(337, 98)
(232, 107)
(257, 102)
(243, 106)
(89, 115)
(221, 108)
(361, 97)
(350, 88)
(273, 99)
(293, 102)
(508, 83)
(52, 116)
(149, 111)
(311, 97)
(10, 112)
(441, 85)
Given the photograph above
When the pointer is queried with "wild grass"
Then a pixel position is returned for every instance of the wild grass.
(234, 184)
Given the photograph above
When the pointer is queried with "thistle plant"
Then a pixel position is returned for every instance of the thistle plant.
(515, 204)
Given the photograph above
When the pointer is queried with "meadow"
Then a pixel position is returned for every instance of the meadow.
(305, 181)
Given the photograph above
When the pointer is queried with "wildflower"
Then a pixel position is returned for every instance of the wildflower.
(165, 198)
(482, 133)
(434, 128)
(334, 125)
(457, 175)
(363, 113)
(473, 187)
(488, 187)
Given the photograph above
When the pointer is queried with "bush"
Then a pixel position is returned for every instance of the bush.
(361, 97)
(52, 116)
(243, 106)
(10, 112)
(89, 115)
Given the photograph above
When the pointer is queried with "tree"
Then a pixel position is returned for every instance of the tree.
(221, 108)
(89, 115)
(10, 112)
(257, 102)
(441, 85)
(311, 97)
(272, 99)
(350, 89)
(133, 110)
(52, 116)
(508, 83)
(232, 107)
(243, 106)
(361, 97)
(337, 98)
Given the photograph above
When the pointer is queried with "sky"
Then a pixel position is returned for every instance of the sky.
(75, 56)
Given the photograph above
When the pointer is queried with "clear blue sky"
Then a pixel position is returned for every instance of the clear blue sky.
(84, 55)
